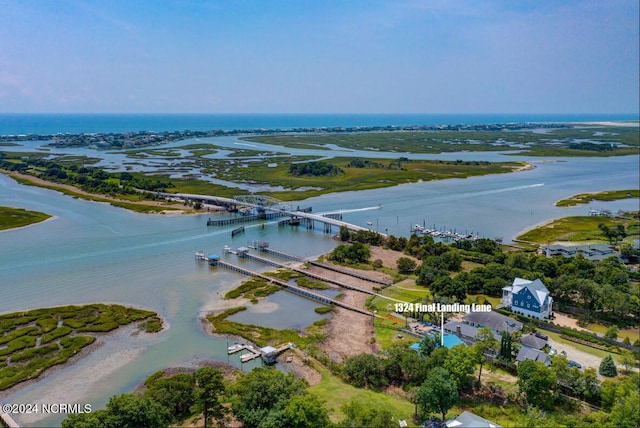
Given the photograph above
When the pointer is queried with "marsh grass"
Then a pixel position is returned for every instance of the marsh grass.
(58, 329)
(19, 217)
(576, 229)
(611, 195)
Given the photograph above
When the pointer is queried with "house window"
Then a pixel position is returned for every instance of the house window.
(528, 305)
(529, 296)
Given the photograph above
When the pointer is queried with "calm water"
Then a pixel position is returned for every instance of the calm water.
(11, 124)
(93, 252)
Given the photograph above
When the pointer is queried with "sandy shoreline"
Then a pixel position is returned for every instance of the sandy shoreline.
(91, 365)
(169, 208)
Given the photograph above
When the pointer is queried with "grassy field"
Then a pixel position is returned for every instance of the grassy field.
(553, 142)
(18, 217)
(577, 229)
(611, 195)
(389, 172)
(336, 393)
(36, 340)
(632, 333)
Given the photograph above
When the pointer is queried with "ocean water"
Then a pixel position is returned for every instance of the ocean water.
(12, 124)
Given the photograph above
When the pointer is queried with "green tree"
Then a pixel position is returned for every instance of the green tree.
(208, 389)
(174, 393)
(406, 265)
(262, 395)
(354, 253)
(626, 412)
(536, 381)
(610, 233)
(612, 332)
(305, 411)
(345, 235)
(85, 420)
(608, 367)
(486, 344)
(127, 410)
(627, 359)
(357, 415)
(460, 363)
(438, 393)
(506, 352)
(427, 345)
(365, 370)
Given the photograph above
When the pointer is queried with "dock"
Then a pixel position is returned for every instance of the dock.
(350, 273)
(214, 260)
(268, 353)
(264, 247)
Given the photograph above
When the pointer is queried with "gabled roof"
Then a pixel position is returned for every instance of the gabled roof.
(536, 288)
(494, 320)
(527, 353)
(468, 419)
(465, 329)
(532, 341)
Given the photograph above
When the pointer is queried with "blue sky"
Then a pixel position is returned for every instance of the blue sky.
(279, 56)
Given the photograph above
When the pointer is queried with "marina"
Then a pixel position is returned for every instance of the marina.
(444, 234)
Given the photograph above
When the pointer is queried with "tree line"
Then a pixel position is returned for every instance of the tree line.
(602, 290)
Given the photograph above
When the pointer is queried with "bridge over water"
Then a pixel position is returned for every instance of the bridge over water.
(268, 207)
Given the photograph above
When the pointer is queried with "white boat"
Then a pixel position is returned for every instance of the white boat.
(235, 348)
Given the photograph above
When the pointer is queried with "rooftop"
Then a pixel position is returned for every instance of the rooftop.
(493, 320)
(468, 419)
(527, 353)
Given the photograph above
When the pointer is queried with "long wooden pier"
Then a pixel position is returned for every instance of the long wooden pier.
(264, 247)
(245, 254)
(285, 285)
(350, 273)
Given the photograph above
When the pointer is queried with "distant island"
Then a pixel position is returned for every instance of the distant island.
(146, 138)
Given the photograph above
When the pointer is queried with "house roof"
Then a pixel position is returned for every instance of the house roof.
(536, 288)
(532, 341)
(593, 252)
(465, 329)
(468, 419)
(527, 353)
(494, 320)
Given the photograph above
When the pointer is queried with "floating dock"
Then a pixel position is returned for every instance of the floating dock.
(268, 353)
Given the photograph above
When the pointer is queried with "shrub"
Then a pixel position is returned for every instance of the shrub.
(608, 367)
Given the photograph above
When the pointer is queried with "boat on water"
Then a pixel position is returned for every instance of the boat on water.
(235, 348)
(249, 356)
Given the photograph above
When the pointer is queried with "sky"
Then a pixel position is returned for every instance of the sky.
(329, 56)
